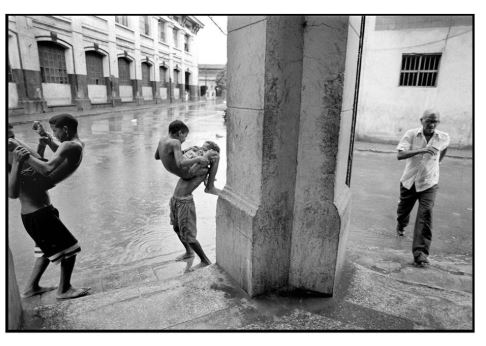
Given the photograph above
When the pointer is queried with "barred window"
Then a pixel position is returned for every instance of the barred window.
(176, 77)
(174, 34)
(124, 71)
(145, 25)
(94, 67)
(145, 74)
(162, 31)
(419, 70)
(123, 20)
(52, 63)
(163, 74)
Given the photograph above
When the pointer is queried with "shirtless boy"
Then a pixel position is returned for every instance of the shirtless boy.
(54, 242)
(182, 207)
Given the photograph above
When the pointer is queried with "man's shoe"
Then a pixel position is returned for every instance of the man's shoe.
(421, 260)
(400, 231)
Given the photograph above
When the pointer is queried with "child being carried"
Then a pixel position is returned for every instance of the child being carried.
(210, 151)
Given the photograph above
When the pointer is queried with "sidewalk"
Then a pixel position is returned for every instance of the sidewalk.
(388, 294)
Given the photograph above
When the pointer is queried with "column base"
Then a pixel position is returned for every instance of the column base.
(116, 101)
(235, 219)
(34, 106)
(139, 100)
(82, 104)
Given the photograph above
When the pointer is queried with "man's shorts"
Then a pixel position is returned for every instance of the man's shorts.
(183, 218)
(52, 239)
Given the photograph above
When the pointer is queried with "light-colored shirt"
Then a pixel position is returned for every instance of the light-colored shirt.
(422, 169)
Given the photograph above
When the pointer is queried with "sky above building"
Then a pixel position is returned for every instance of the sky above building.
(211, 41)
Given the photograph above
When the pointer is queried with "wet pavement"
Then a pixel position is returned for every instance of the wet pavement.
(116, 203)
(120, 216)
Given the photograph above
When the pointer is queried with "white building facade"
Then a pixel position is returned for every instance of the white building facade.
(412, 63)
(208, 75)
(80, 62)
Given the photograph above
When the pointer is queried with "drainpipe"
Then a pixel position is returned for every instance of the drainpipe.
(355, 101)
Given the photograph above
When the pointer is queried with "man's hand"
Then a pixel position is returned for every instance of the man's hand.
(45, 140)
(37, 127)
(20, 154)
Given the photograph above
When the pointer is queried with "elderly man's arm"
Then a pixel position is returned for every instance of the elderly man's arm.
(405, 154)
(442, 154)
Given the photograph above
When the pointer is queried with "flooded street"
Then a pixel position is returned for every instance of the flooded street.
(116, 203)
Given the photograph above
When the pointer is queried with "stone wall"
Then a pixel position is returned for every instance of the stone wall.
(14, 305)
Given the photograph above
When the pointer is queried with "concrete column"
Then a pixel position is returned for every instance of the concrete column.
(137, 83)
(282, 216)
(14, 305)
(79, 78)
(28, 77)
(322, 198)
(114, 95)
(254, 211)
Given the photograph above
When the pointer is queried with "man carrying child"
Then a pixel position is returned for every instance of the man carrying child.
(193, 166)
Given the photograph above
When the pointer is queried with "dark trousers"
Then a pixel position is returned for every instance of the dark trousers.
(422, 233)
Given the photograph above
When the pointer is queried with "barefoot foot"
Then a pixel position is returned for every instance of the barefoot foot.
(212, 190)
(185, 256)
(35, 291)
(201, 265)
(73, 293)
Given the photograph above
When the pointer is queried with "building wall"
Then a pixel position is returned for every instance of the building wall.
(207, 78)
(387, 110)
(79, 34)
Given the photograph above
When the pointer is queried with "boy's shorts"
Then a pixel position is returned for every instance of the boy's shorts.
(183, 218)
(52, 239)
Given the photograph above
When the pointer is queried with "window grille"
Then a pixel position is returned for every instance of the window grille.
(123, 20)
(162, 31)
(163, 74)
(52, 63)
(94, 67)
(124, 72)
(145, 74)
(145, 25)
(419, 70)
(174, 34)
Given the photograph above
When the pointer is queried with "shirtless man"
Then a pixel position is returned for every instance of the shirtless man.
(29, 179)
(182, 207)
(189, 163)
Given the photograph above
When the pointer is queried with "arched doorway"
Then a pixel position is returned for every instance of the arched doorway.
(147, 92)
(97, 92)
(163, 82)
(124, 80)
(54, 77)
